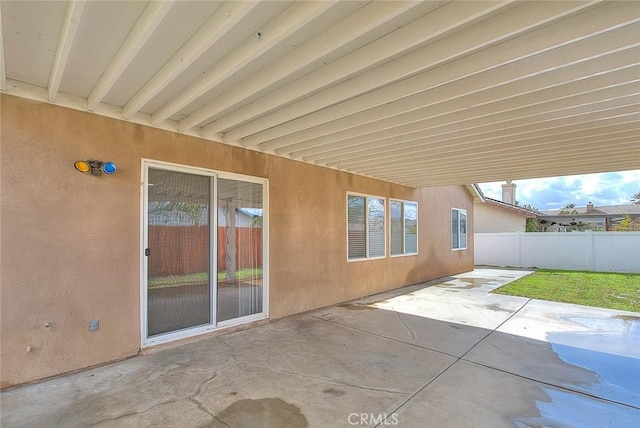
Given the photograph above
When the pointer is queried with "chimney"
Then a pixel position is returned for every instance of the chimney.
(509, 193)
(589, 208)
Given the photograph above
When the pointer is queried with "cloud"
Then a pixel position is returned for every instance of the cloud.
(612, 188)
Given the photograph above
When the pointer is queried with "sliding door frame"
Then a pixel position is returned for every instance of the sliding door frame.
(147, 341)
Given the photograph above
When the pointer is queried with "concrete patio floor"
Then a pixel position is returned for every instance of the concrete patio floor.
(440, 354)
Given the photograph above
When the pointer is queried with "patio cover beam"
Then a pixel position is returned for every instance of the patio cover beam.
(275, 32)
(153, 14)
(483, 70)
(220, 23)
(546, 127)
(438, 22)
(356, 25)
(67, 35)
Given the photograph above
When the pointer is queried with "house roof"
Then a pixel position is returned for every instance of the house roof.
(611, 209)
(419, 93)
(511, 208)
(476, 192)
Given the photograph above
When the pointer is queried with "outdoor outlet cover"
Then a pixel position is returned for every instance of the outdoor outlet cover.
(94, 325)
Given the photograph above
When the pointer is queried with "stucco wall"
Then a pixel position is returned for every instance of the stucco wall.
(70, 244)
(489, 218)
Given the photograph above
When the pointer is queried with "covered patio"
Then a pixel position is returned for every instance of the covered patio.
(340, 131)
(442, 353)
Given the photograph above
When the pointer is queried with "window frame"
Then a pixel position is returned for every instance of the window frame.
(366, 197)
(466, 234)
(404, 230)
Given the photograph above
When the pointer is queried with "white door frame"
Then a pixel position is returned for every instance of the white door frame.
(146, 341)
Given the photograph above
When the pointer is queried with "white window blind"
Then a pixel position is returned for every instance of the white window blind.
(410, 228)
(403, 237)
(376, 227)
(356, 227)
(365, 227)
(396, 235)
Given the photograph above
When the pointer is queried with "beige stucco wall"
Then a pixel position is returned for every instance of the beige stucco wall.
(493, 219)
(70, 243)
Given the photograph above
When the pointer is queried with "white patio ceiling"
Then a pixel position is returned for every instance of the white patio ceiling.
(420, 93)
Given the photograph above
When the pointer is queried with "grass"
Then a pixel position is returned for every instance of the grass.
(604, 290)
(200, 278)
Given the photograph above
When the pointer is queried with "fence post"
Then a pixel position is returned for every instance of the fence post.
(518, 248)
(592, 252)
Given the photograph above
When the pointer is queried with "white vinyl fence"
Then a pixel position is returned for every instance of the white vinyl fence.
(594, 251)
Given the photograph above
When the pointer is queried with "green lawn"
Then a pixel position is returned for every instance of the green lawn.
(604, 290)
(200, 278)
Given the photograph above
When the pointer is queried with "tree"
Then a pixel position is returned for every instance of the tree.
(532, 223)
(635, 199)
(625, 224)
(569, 209)
(190, 210)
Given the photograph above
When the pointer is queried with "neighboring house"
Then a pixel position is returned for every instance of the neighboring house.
(492, 216)
(603, 218)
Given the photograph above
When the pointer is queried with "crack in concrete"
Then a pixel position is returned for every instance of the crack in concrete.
(412, 395)
(190, 398)
(411, 331)
(136, 413)
(382, 336)
(234, 357)
(326, 379)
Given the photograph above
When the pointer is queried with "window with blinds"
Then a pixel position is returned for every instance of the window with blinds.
(365, 227)
(403, 235)
(458, 229)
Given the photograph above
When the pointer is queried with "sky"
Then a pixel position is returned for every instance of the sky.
(611, 188)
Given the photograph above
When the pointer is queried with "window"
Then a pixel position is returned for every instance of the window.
(365, 227)
(403, 238)
(458, 229)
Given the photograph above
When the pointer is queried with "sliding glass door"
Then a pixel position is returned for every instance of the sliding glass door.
(240, 218)
(178, 269)
(204, 251)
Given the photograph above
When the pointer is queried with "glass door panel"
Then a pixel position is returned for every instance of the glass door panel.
(178, 262)
(239, 280)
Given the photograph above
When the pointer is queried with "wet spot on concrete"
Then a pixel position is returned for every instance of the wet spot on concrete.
(263, 412)
(610, 353)
(355, 307)
(496, 307)
(464, 287)
(463, 283)
(566, 409)
(628, 317)
(333, 391)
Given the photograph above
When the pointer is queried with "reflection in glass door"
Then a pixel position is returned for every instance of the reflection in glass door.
(240, 218)
(178, 252)
(204, 243)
